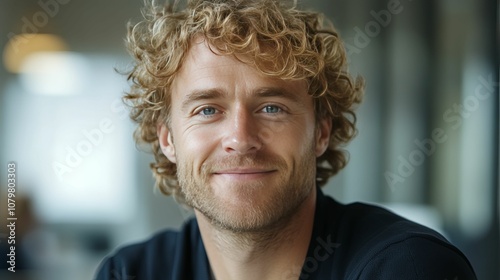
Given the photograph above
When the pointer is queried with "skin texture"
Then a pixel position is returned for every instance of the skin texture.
(245, 146)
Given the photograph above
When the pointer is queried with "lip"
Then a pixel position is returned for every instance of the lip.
(243, 171)
(244, 174)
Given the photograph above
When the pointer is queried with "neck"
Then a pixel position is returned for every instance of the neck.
(272, 253)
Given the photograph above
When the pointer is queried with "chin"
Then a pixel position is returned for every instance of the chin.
(243, 209)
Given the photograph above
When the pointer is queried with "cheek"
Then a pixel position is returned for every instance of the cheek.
(194, 145)
(291, 140)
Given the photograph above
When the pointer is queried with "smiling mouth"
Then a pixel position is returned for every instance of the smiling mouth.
(244, 174)
(244, 171)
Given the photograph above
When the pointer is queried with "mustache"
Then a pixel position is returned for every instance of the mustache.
(257, 160)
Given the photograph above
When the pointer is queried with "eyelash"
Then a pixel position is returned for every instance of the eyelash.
(280, 110)
(267, 106)
(200, 111)
(214, 110)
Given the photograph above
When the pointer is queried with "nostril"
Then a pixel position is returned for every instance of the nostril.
(241, 142)
(241, 147)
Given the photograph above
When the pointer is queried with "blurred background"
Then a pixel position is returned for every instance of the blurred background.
(427, 146)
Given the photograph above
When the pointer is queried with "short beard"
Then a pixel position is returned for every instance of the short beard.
(270, 214)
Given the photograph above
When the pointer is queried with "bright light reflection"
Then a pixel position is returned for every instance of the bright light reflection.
(54, 73)
(99, 186)
(21, 46)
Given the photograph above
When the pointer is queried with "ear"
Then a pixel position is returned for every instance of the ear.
(323, 131)
(166, 142)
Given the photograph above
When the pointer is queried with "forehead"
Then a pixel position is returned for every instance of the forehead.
(204, 66)
(200, 57)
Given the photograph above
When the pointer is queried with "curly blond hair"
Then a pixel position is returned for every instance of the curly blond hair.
(282, 41)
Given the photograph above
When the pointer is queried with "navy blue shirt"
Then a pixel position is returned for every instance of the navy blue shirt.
(354, 241)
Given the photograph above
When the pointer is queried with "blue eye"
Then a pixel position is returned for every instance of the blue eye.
(271, 109)
(207, 111)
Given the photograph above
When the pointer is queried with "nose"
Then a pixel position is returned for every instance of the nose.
(242, 133)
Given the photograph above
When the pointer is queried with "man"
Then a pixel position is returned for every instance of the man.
(245, 104)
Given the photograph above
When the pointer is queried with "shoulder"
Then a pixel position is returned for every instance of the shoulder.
(415, 256)
(378, 244)
(161, 256)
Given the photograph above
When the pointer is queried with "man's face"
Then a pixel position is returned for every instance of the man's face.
(245, 144)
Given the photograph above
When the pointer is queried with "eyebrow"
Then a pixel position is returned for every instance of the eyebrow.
(208, 94)
(277, 92)
(204, 94)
